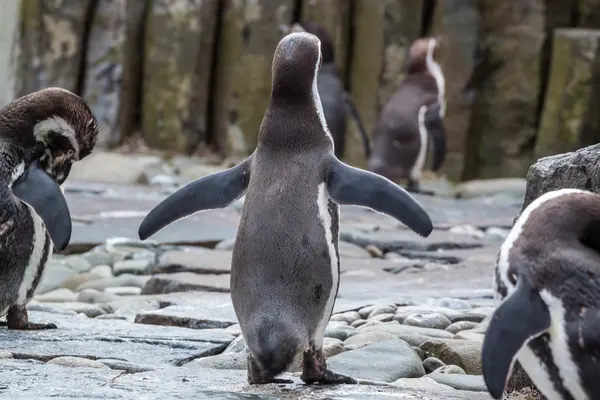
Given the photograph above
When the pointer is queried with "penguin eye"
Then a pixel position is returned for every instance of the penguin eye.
(70, 152)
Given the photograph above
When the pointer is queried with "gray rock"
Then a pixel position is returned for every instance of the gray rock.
(197, 260)
(405, 311)
(90, 310)
(103, 166)
(450, 369)
(238, 360)
(381, 310)
(226, 244)
(339, 331)
(134, 266)
(349, 317)
(420, 353)
(365, 311)
(185, 282)
(348, 249)
(93, 296)
(234, 329)
(124, 290)
(103, 270)
(55, 273)
(61, 295)
(418, 384)
(474, 383)
(472, 317)
(76, 281)
(96, 258)
(332, 347)
(464, 353)
(387, 361)
(468, 335)
(374, 251)
(358, 322)
(430, 320)
(382, 317)
(366, 338)
(456, 327)
(431, 364)
(209, 312)
(78, 362)
(121, 365)
(486, 187)
(447, 302)
(237, 346)
(77, 263)
(412, 334)
(117, 281)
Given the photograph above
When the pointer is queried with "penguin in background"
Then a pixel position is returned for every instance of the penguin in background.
(41, 135)
(412, 116)
(336, 101)
(285, 266)
(547, 284)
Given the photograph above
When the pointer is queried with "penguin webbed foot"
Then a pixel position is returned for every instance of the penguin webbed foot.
(18, 319)
(257, 377)
(315, 370)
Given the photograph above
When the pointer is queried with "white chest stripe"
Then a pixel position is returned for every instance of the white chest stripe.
(39, 239)
(325, 219)
(415, 171)
(434, 69)
(537, 372)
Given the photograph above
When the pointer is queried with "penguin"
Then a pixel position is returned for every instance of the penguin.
(547, 286)
(41, 135)
(414, 113)
(285, 262)
(336, 101)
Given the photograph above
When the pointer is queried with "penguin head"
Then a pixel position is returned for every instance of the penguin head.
(296, 63)
(327, 49)
(60, 120)
(547, 280)
(421, 50)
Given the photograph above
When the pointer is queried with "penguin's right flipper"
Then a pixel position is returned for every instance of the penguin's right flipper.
(353, 186)
(434, 125)
(217, 190)
(353, 112)
(522, 316)
(37, 189)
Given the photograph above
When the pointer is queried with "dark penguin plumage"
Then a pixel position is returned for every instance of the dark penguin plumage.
(336, 101)
(41, 135)
(547, 280)
(412, 115)
(285, 264)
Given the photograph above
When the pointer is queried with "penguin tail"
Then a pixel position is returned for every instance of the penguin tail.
(353, 112)
(434, 126)
(274, 345)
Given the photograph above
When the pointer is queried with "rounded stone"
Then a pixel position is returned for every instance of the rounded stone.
(419, 352)
(365, 311)
(124, 290)
(374, 251)
(339, 330)
(103, 270)
(348, 317)
(427, 320)
(365, 338)
(358, 322)
(382, 310)
(332, 347)
(68, 361)
(382, 317)
(456, 327)
(450, 369)
(431, 364)
(448, 302)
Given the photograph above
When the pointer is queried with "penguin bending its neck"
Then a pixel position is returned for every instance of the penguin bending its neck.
(41, 135)
(336, 101)
(285, 263)
(547, 278)
(413, 114)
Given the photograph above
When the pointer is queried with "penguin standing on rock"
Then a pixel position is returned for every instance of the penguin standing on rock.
(335, 100)
(41, 135)
(548, 281)
(412, 115)
(285, 263)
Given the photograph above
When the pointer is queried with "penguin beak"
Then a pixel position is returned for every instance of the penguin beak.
(37, 189)
(521, 317)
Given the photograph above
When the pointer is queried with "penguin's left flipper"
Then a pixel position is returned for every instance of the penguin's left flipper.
(353, 186)
(214, 191)
(37, 189)
(353, 112)
(434, 125)
(522, 316)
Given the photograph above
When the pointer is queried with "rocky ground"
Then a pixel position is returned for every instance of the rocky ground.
(154, 320)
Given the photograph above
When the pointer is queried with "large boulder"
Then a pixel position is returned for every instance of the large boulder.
(177, 70)
(51, 44)
(579, 169)
(250, 32)
(383, 33)
(569, 90)
(503, 117)
(112, 66)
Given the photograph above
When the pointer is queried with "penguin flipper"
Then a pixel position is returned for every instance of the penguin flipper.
(213, 191)
(353, 186)
(434, 125)
(522, 316)
(353, 112)
(37, 189)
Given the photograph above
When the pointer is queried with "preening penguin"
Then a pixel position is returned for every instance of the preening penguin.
(285, 264)
(548, 281)
(412, 115)
(336, 101)
(41, 135)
